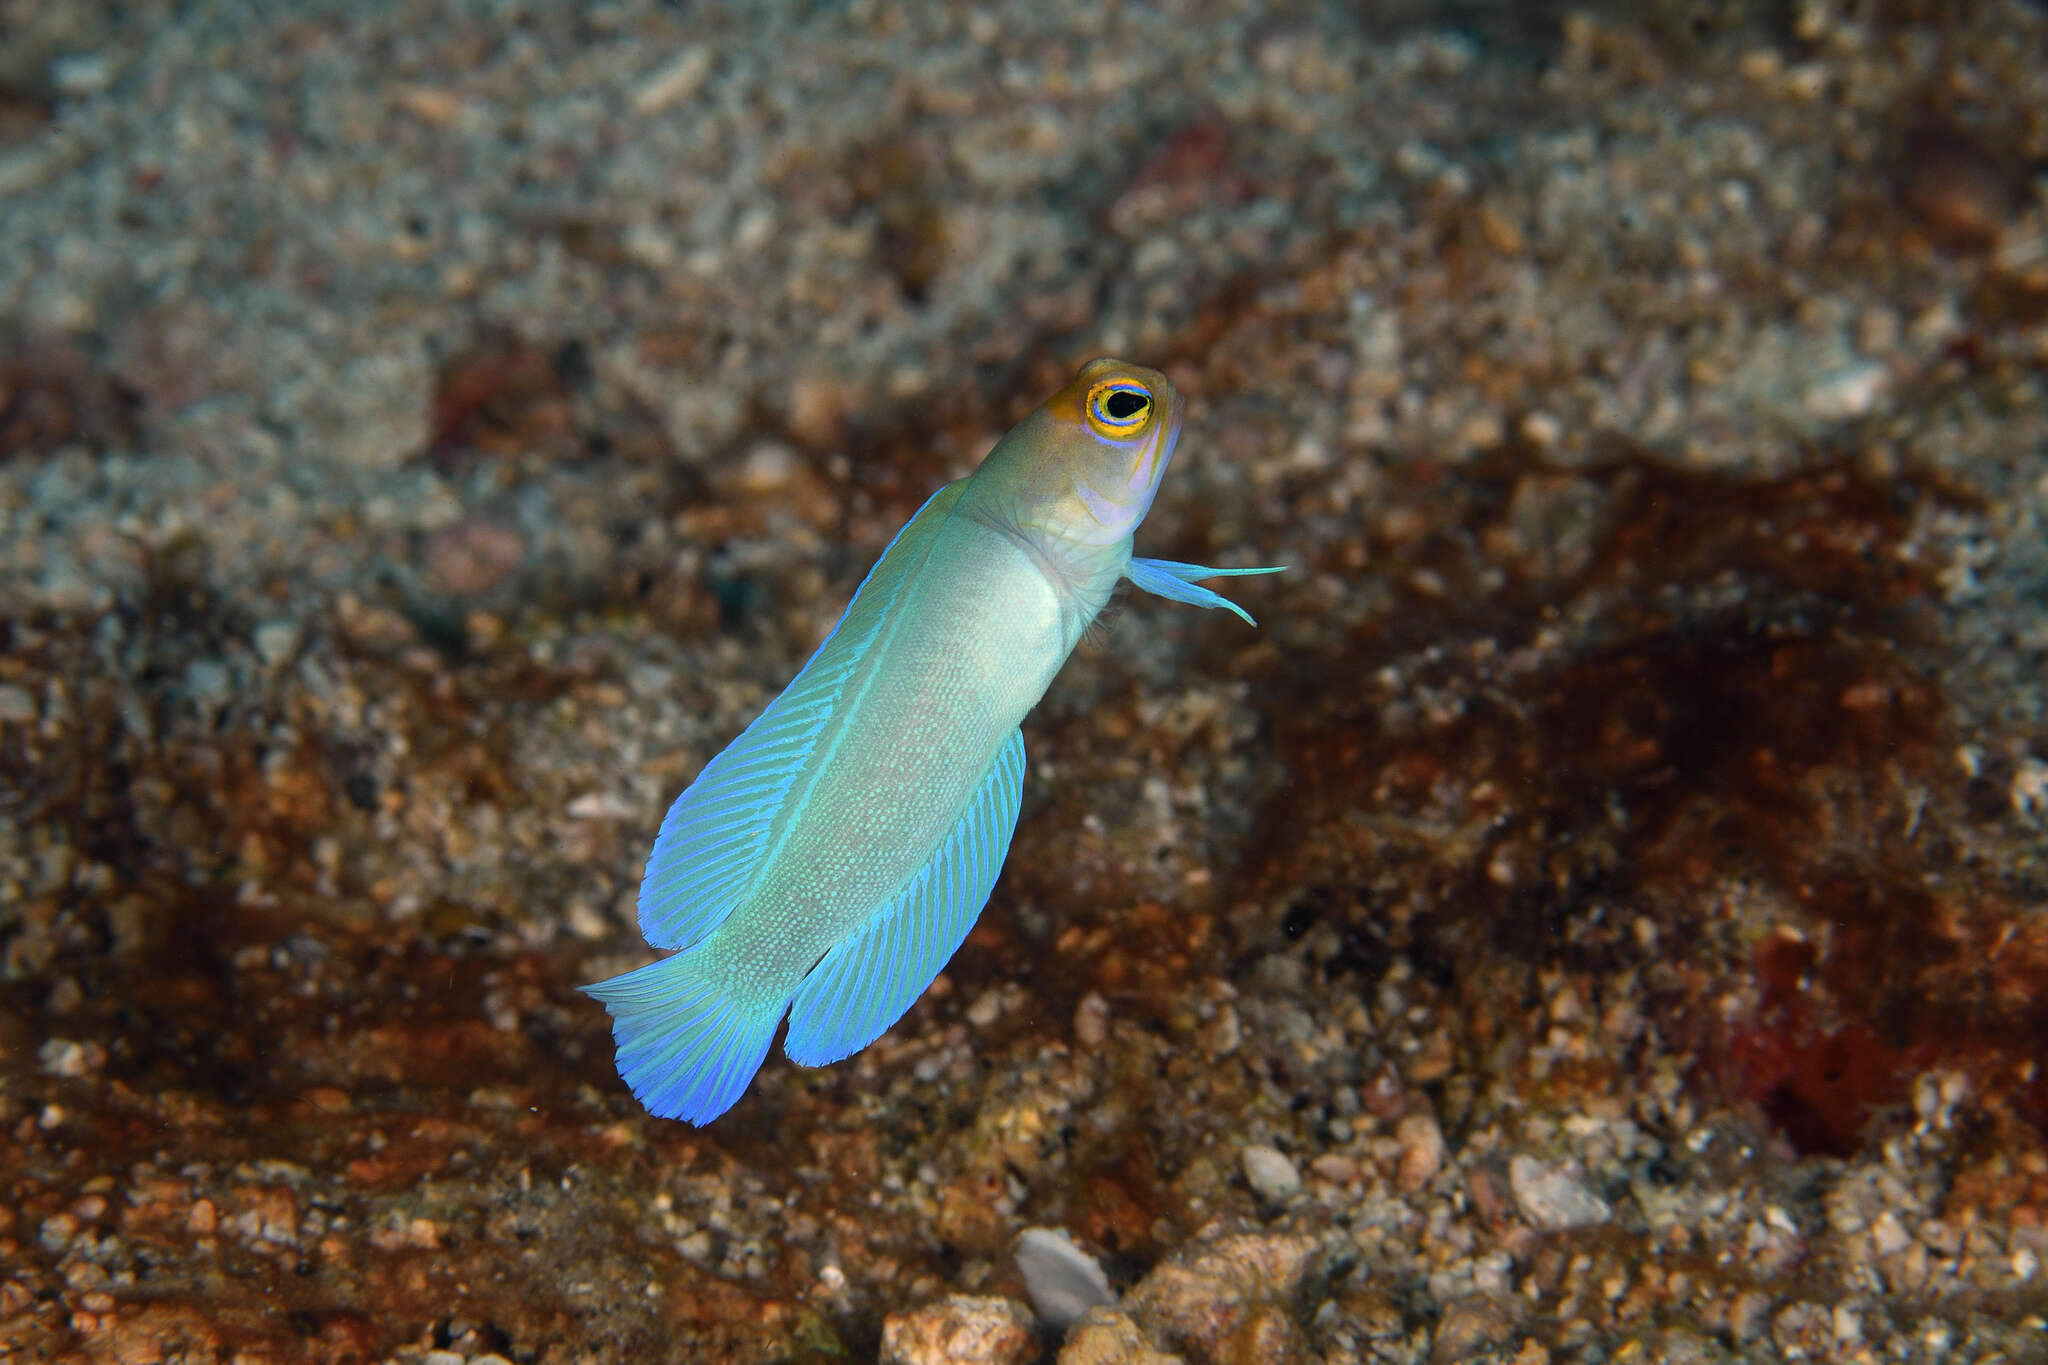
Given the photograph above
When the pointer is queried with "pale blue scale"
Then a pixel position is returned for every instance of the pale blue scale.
(866, 982)
(1172, 579)
(714, 838)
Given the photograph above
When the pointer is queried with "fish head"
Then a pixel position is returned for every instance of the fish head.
(1086, 465)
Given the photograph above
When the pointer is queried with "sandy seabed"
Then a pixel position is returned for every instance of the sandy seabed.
(1601, 915)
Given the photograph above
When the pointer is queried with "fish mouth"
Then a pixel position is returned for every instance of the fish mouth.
(1151, 466)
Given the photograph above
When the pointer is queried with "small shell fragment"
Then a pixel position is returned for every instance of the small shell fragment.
(1062, 1280)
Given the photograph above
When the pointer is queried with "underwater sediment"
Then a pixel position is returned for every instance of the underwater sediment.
(1599, 914)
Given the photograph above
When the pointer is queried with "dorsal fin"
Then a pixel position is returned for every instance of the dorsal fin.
(715, 836)
(871, 977)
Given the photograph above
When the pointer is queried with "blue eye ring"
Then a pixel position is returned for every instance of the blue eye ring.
(1118, 408)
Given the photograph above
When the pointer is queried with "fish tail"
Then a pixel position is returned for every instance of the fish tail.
(686, 1048)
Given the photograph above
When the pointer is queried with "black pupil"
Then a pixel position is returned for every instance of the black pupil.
(1123, 404)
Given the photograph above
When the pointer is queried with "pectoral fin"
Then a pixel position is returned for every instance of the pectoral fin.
(865, 984)
(1172, 579)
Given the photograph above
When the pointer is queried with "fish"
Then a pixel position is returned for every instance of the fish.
(825, 866)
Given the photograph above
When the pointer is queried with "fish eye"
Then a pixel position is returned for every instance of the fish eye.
(1118, 407)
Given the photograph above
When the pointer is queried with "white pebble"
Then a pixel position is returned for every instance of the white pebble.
(768, 468)
(1091, 1021)
(81, 73)
(1553, 1197)
(275, 641)
(68, 1057)
(986, 1009)
(1422, 1151)
(673, 83)
(2029, 789)
(599, 806)
(209, 684)
(1848, 393)
(17, 705)
(1887, 1235)
(1062, 1281)
(1541, 430)
(1270, 1173)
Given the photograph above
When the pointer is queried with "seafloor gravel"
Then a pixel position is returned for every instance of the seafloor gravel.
(1601, 916)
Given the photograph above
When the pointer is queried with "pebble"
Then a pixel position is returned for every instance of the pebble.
(473, 557)
(1062, 1280)
(1270, 1173)
(1542, 430)
(1804, 1331)
(1553, 1197)
(1334, 1167)
(208, 683)
(598, 806)
(1107, 1336)
(1422, 1151)
(673, 83)
(81, 73)
(65, 996)
(69, 1057)
(1467, 1328)
(17, 706)
(769, 467)
(1202, 1296)
(960, 1330)
(429, 104)
(1268, 1335)
(2029, 792)
(56, 1231)
(1848, 393)
(275, 641)
(1091, 1021)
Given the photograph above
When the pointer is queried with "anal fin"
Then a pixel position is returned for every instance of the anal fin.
(865, 983)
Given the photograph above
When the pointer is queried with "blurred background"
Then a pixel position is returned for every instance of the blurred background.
(1601, 914)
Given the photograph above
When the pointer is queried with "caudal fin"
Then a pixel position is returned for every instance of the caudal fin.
(685, 1048)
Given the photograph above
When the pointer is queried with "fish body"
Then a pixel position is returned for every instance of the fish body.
(930, 696)
(828, 862)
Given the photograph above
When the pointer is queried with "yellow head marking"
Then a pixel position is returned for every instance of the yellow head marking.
(1117, 408)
